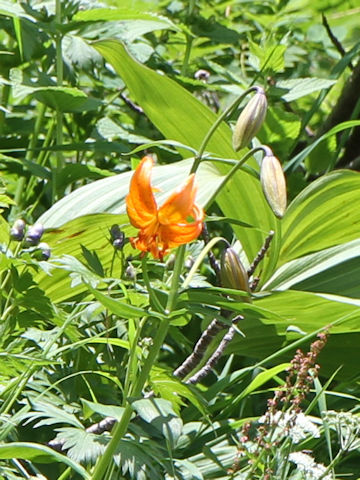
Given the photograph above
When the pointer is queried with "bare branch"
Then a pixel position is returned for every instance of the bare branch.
(208, 367)
(334, 40)
(200, 348)
(261, 253)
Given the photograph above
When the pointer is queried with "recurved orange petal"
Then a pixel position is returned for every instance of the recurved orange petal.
(177, 207)
(180, 233)
(141, 204)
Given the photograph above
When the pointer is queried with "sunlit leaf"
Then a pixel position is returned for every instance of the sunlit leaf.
(332, 270)
(39, 453)
(322, 215)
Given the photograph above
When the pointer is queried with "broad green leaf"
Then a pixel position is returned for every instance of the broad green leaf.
(117, 342)
(172, 109)
(78, 52)
(109, 130)
(130, 24)
(39, 453)
(148, 21)
(18, 33)
(160, 414)
(215, 456)
(299, 87)
(333, 270)
(322, 215)
(104, 410)
(92, 231)
(188, 468)
(295, 312)
(65, 99)
(5, 201)
(118, 307)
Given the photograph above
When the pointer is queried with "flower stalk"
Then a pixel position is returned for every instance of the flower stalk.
(121, 427)
(219, 120)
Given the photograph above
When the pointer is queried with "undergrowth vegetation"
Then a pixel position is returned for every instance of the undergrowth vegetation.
(179, 240)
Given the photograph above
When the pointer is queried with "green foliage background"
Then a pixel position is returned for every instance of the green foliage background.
(87, 89)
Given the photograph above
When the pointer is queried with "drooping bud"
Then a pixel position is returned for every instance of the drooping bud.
(189, 262)
(17, 231)
(117, 237)
(44, 251)
(115, 231)
(273, 184)
(130, 272)
(233, 274)
(34, 234)
(170, 261)
(118, 243)
(250, 120)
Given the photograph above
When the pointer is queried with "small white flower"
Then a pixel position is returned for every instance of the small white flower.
(295, 425)
(307, 465)
(347, 426)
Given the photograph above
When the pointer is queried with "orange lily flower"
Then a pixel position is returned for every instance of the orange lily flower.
(177, 221)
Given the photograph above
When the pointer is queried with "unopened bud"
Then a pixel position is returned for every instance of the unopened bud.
(233, 274)
(34, 234)
(117, 237)
(273, 184)
(45, 250)
(189, 262)
(250, 120)
(17, 231)
(170, 262)
(118, 243)
(130, 272)
(115, 231)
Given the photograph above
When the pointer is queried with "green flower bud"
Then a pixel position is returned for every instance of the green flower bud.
(274, 184)
(233, 273)
(250, 120)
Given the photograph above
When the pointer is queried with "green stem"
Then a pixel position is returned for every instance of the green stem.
(152, 294)
(41, 160)
(212, 130)
(189, 39)
(132, 367)
(65, 474)
(234, 169)
(20, 187)
(121, 427)
(179, 262)
(184, 67)
(332, 464)
(59, 114)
